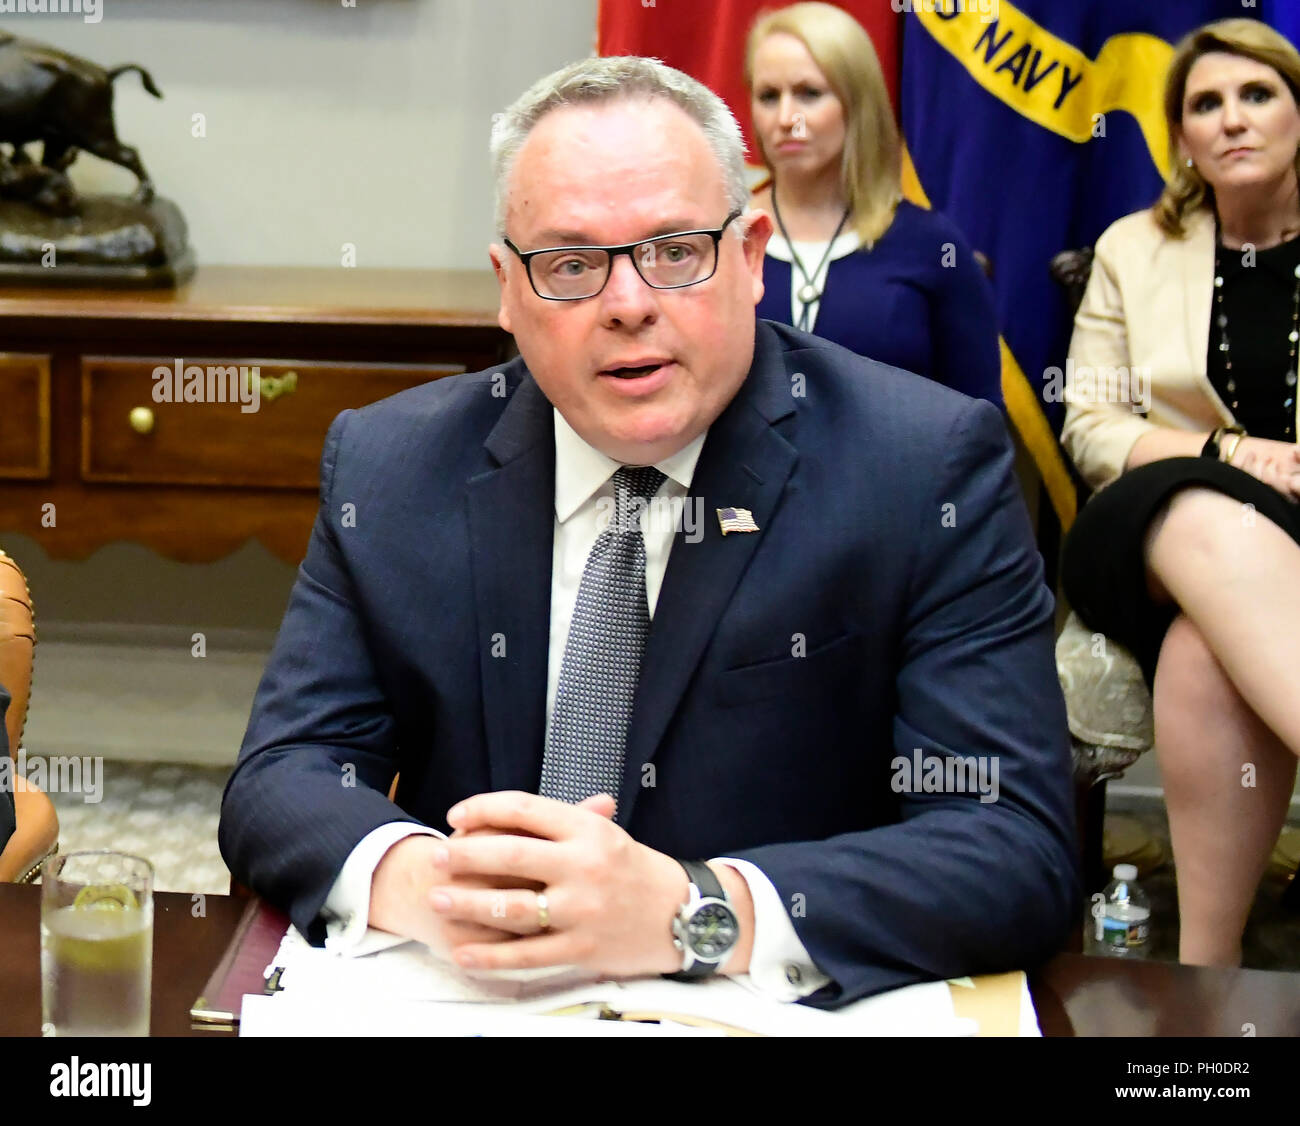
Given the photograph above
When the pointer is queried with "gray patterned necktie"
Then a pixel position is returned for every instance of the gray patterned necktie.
(602, 656)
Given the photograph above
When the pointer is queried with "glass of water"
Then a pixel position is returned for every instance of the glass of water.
(96, 944)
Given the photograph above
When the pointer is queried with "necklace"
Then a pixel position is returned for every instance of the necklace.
(1221, 319)
(808, 293)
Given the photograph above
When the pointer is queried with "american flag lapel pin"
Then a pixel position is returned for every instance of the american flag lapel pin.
(736, 520)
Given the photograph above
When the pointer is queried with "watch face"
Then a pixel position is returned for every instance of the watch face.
(712, 930)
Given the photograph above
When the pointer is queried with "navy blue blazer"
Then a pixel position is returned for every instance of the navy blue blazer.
(918, 300)
(895, 555)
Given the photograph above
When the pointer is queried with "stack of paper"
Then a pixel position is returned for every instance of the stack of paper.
(401, 988)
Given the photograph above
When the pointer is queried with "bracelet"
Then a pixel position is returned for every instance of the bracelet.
(1212, 448)
(1231, 452)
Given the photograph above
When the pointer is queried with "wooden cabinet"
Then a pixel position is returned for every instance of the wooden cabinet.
(24, 416)
(192, 420)
(215, 421)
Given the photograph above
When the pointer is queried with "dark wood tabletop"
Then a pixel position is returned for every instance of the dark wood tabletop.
(1081, 995)
(1074, 994)
(286, 294)
(189, 936)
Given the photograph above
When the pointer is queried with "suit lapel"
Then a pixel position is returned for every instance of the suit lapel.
(744, 463)
(511, 528)
(1198, 294)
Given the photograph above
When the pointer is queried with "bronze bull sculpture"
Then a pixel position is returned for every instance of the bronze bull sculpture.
(66, 103)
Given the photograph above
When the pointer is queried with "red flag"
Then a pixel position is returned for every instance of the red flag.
(707, 40)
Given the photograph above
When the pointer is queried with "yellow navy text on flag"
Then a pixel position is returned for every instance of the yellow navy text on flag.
(1053, 83)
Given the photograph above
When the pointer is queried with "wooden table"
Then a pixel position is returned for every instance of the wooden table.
(1074, 995)
(1080, 995)
(186, 948)
(94, 448)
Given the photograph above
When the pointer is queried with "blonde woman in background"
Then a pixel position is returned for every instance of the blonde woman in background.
(851, 260)
(1189, 554)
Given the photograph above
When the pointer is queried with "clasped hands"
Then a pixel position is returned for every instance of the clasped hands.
(473, 897)
(1275, 463)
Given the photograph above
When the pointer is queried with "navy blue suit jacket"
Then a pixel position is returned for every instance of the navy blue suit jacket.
(783, 673)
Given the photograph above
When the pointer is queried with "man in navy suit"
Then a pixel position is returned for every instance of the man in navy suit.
(840, 764)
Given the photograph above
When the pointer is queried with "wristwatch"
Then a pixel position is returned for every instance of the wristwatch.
(705, 928)
(1213, 444)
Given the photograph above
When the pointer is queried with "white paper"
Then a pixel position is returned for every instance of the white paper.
(283, 1016)
(405, 989)
(1028, 1017)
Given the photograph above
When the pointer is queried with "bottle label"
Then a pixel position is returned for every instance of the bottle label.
(1125, 933)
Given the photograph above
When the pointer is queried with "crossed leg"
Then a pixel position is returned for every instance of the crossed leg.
(1227, 725)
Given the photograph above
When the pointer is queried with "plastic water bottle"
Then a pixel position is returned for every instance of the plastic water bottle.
(1124, 924)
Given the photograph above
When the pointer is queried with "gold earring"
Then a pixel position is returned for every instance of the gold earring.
(1190, 163)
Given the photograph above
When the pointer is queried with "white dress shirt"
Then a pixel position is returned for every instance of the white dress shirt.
(779, 965)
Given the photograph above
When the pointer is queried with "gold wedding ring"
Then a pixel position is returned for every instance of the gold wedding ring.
(543, 913)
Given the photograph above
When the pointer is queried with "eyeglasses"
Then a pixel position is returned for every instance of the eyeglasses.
(574, 273)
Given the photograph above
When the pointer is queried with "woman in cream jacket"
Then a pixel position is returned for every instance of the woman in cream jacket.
(1189, 553)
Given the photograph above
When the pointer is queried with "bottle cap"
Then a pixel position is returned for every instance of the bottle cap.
(1125, 872)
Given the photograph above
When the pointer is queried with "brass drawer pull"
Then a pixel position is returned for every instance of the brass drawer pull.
(141, 420)
(271, 387)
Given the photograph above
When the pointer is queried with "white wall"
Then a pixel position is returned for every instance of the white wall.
(325, 124)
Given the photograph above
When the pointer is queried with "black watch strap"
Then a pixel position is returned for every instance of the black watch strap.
(701, 875)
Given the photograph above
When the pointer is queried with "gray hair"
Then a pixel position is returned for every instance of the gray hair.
(595, 81)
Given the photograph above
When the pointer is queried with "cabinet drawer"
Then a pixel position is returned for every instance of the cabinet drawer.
(24, 415)
(258, 423)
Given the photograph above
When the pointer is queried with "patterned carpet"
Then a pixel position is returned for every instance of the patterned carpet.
(165, 813)
(169, 814)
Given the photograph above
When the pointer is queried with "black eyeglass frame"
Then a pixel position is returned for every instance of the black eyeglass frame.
(527, 256)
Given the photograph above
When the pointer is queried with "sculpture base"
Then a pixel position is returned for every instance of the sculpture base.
(115, 243)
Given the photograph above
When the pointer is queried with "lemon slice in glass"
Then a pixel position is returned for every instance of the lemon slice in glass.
(106, 897)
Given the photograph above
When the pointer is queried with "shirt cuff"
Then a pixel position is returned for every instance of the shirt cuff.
(347, 907)
(779, 965)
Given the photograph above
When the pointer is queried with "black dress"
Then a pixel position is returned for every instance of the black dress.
(1102, 569)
